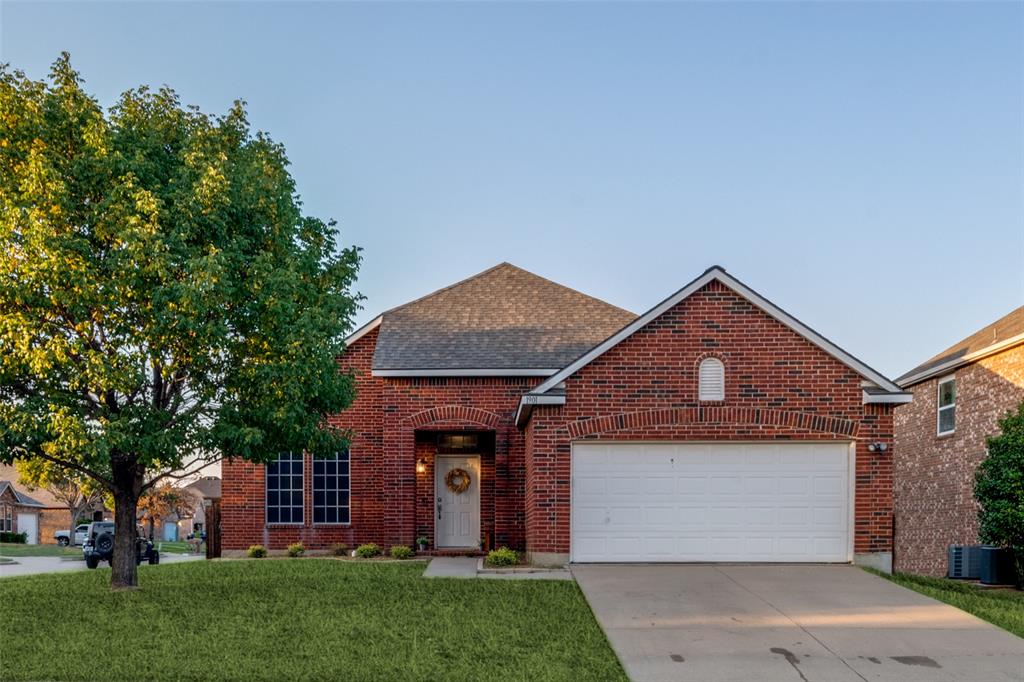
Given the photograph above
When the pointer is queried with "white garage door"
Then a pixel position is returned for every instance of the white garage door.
(710, 502)
(29, 524)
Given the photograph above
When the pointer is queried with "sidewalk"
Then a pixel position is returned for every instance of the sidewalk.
(33, 565)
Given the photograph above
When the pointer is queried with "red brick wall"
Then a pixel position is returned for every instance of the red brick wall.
(934, 475)
(389, 499)
(778, 386)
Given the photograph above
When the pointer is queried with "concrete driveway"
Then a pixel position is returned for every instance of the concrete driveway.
(788, 623)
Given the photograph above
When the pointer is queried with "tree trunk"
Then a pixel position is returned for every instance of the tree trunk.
(75, 511)
(128, 477)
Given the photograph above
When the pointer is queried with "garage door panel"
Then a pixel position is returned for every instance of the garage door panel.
(710, 502)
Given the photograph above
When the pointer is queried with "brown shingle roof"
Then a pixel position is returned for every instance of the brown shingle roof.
(40, 495)
(502, 318)
(206, 487)
(1001, 330)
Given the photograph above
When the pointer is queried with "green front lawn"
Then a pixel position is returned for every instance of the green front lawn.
(275, 619)
(177, 547)
(11, 549)
(1002, 607)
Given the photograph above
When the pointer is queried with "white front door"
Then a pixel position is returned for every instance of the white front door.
(457, 514)
(29, 524)
(711, 502)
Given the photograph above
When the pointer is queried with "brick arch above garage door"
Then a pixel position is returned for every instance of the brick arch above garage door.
(709, 416)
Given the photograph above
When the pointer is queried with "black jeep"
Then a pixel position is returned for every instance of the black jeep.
(99, 545)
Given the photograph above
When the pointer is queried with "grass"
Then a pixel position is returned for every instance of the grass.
(176, 547)
(11, 549)
(274, 619)
(1002, 607)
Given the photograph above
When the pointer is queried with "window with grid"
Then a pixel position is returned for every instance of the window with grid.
(331, 488)
(284, 489)
(7, 522)
(947, 406)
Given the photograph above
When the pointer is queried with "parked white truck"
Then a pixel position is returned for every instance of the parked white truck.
(64, 538)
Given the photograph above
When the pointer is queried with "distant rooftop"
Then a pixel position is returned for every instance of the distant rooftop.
(1001, 331)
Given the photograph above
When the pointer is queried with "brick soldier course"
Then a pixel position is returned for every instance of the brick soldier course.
(529, 367)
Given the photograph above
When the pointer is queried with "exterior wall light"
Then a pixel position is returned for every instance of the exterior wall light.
(421, 466)
(877, 447)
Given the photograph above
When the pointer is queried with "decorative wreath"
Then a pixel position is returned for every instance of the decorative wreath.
(457, 480)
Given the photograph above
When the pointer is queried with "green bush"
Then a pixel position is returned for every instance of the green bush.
(368, 550)
(503, 556)
(401, 552)
(296, 549)
(338, 549)
(17, 538)
(256, 552)
(999, 489)
(422, 541)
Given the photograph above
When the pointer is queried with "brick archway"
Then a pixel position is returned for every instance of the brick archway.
(782, 419)
(453, 413)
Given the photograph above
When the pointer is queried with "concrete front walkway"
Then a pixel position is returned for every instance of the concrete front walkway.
(788, 624)
(466, 567)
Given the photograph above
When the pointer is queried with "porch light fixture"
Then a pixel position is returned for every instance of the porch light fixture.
(421, 466)
(877, 447)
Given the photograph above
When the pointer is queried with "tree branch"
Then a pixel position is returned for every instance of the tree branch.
(77, 467)
(178, 477)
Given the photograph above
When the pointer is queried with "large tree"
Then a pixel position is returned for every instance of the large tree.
(163, 299)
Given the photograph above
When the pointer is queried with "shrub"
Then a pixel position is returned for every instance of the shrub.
(338, 549)
(256, 552)
(503, 557)
(296, 549)
(17, 538)
(999, 489)
(422, 541)
(401, 552)
(368, 550)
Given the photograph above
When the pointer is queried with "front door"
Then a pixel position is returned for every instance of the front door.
(457, 486)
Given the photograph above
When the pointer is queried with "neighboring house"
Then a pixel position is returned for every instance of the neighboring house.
(20, 513)
(510, 409)
(959, 396)
(51, 514)
(205, 491)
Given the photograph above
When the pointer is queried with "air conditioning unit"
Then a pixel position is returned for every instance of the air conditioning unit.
(964, 561)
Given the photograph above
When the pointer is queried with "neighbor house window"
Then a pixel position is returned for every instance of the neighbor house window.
(947, 405)
(331, 487)
(711, 378)
(284, 489)
(7, 519)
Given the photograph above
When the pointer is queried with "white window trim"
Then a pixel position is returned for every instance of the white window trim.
(701, 396)
(939, 407)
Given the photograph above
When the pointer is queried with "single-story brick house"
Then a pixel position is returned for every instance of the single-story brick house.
(959, 396)
(20, 512)
(510, 410)
(41, 513)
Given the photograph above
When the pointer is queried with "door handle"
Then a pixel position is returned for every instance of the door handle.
(439, 509)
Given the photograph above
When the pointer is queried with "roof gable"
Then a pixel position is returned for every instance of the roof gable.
(719, 274)
(504, 321)
(1004, 333)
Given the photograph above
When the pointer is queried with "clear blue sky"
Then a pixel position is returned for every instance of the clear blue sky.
(860, 164)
